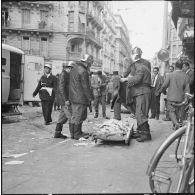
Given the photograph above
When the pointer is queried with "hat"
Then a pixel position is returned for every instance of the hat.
(87, 58)
(48, 65)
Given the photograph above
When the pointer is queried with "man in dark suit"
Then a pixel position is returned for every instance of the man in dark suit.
(157, 81)
(47, 89)
(177, 84)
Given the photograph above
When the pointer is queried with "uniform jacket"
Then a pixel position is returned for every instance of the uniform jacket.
(95, 85)
(159, 83)
(64, 86)
(177, 84)
(79, 90)
(50, 82)
(141, 81)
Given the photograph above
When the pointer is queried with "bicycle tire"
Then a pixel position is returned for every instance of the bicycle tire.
(159, 153)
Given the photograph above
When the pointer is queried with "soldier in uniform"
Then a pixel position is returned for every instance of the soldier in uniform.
(141, 94)
(46, 89)
(80, 95)
(65, 113)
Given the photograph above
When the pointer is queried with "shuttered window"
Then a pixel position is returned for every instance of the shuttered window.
(71, 22)
(26, 43)
(44, 15)
(44, 47)
(25, 16)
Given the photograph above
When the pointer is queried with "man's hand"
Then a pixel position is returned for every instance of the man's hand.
(33, 95)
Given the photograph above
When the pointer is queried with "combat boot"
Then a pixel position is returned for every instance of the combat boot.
(71, 129)
(136, 134)
(145, 133)
(85, 135)
(77, 133)
(58, 131)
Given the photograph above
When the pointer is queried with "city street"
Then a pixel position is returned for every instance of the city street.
(48, 165)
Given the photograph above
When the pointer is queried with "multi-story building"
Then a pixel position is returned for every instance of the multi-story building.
(64, 30)
(109, 39)
(175, 44)
(123, 47)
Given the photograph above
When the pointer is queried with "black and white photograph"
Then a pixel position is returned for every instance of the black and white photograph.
(97, 97)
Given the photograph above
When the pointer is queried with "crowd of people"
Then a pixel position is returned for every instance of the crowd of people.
(139, 90)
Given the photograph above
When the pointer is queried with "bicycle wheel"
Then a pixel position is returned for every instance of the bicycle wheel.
(165, 168)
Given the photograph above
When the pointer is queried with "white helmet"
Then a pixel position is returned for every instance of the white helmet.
(87, 58)
(48, 65)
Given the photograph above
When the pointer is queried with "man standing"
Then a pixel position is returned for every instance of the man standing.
(177, 84)
(141, 93)
(46, 89)
(157, 82)
(109, 91)
(190, 73)
(80, 94)
(99, 85)
(65, 113)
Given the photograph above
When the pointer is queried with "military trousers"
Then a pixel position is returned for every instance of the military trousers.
(65, 114)
(117, 110)
(79, 113)
(97, 101)
(142, 108)
(47, 109)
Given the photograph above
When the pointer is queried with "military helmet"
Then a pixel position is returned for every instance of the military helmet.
(87, 58)
(137, 50)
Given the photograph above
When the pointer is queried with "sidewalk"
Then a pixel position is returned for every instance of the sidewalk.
(58, 166)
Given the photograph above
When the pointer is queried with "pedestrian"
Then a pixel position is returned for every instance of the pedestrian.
(65, 113)
(80, 95)
(177, 84)
(157, 81)
(117, 103)
(47, 90)
(109, 92)
(141, 81)
(57, 96)
(167, 118)
(99, 85)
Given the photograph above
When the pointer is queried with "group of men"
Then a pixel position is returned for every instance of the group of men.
(142, 92)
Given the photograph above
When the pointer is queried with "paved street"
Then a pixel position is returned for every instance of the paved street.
(58, 166)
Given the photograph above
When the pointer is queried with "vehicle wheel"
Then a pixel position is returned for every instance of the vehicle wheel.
(166, 168)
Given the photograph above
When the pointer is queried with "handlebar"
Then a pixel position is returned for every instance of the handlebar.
(185, 102)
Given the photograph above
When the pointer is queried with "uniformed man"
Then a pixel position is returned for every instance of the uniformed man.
(80, 95)
(141, 93)
(46, 89)
(65, 113)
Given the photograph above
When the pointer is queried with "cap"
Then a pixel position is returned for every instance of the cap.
(70, 64)
(48, 65)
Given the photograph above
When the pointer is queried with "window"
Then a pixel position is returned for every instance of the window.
(4, 17)
(44, 47)
(3, 61)
(26, 43)
(72, 47)
(44, 15)
(25, 16)
(71, 22)
(4, 39)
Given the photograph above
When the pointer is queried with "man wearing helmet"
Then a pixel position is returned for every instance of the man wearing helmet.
(140, 83)
(65, 113)
(46, 89)
(80, 95)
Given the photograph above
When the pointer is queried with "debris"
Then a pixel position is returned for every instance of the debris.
(14, 162)
(7, 155)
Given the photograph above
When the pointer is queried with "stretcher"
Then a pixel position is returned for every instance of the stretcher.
(118, 137)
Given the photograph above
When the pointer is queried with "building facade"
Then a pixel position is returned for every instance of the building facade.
(123, 47)
(62, 30)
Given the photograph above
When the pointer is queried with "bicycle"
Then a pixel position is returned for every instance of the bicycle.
(171, 169)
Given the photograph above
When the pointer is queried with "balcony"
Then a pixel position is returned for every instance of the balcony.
(43, 25)
(91, 16)
(91, 35)
(74, 56)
